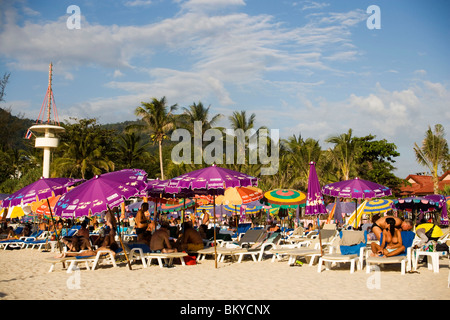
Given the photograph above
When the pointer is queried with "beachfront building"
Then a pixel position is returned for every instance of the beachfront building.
(422, 185)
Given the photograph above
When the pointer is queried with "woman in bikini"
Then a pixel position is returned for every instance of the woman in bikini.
(391, 244)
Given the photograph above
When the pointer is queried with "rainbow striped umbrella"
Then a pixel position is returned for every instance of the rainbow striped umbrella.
(285, 198)
(179, 205)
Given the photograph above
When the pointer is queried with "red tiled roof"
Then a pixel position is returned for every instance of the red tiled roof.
(422, 185)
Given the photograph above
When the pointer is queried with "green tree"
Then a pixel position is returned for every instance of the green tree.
(375, 159)
(84, 150)
(130, 149)
(159, 120)
(434, 152)
(344, 152)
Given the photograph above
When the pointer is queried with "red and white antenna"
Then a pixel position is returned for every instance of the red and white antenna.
(47, 103)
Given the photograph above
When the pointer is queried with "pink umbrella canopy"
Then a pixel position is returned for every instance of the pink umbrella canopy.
(314, 198)
(356, 188)
(95, 195)
(38, 190)
(210, 178)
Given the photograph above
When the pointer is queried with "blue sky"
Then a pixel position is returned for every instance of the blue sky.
(304, 67)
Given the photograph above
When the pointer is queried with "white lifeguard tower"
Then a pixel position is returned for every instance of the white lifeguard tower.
(49, 129)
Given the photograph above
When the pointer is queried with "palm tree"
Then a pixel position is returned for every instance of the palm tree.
(433, 152)
(239, 121)
(130, 149)
(84, 150)
(301, 153)
(160, 121)
(344, 153)
(197, 112)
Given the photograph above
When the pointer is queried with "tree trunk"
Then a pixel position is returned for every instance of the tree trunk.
(160, 159)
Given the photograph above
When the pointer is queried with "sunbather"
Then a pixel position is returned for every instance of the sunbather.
(85, 253)
(190, 240)
(160, 241)
(383, 223)
(391, 244)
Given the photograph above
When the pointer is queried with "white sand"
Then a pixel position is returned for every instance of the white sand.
(24, 275)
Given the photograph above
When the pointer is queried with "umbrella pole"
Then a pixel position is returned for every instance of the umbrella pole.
(56, 233)
(120, 237)
(320, 236)
(215, 244)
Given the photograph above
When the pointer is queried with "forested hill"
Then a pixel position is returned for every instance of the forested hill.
(13, 129)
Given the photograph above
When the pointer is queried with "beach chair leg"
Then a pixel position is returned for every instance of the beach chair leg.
(319, 265)
(352, 266)
(182, 261)
(161, 265)
(72, 266)
(52, 267)
(403, 267)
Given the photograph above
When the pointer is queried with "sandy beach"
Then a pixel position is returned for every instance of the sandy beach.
(24, 275)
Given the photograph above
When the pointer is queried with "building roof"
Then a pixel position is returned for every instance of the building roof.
(423, 185)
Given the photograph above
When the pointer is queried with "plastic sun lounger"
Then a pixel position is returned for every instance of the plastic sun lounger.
(221, 252)
(353, 254)
(405, 259)
(168, 257)
(74, 261)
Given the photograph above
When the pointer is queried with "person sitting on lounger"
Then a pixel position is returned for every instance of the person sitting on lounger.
(160, 241)
(391, 244)
(80, 241)
(190, 240)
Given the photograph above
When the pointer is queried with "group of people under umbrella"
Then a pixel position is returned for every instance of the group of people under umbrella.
(110, 190)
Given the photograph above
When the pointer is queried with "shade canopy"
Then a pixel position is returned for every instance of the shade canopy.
(38, 190)
(95, 195)
(210, 178)
(314, 198)
(378, 206)
(285, 198)
(357, 189)
(239, 195)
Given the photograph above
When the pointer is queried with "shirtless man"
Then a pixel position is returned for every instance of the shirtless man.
(160, 240)
(141, 222)
(191, 240)
(381, 224)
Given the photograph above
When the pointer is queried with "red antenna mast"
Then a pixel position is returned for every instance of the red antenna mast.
(47, 103)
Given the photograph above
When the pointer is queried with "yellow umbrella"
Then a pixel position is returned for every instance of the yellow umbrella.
(358, 213)
(16, 212)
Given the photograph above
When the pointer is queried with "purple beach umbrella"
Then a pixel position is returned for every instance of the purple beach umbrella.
(95, 195)
(314, 198)
(211, 180)
(42, 189)
(356, 188)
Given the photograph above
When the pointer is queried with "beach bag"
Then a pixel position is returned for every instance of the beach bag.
(190, 260)
(442, 247)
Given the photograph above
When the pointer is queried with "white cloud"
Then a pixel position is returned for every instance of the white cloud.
(138, 3)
